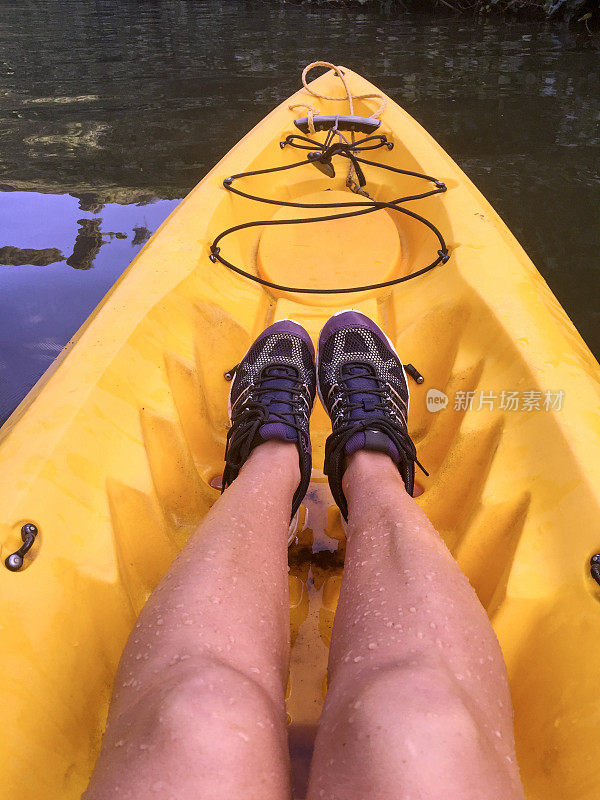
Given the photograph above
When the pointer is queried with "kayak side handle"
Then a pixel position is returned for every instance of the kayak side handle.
(14, 562)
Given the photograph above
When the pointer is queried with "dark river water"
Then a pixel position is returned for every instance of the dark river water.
(111, 111)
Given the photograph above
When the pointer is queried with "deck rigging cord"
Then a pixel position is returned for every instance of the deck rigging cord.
(321, 155)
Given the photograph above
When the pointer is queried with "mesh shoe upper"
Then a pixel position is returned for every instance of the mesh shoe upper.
(363, 387)
(271, 397)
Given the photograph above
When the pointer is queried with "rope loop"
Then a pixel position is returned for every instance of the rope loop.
(349, 96)
(311, 113)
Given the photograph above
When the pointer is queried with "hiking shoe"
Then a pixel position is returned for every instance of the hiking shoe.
(271, 397)
(362, 384)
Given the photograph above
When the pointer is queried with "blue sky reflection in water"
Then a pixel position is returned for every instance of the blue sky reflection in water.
(42, 306)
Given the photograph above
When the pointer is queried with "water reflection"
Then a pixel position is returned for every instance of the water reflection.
(129, 103)
(19, 256)
(141, 235)
(45, 295)
(87, 244)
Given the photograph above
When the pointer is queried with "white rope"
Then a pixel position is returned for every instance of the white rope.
(312, 111)
(349, 96)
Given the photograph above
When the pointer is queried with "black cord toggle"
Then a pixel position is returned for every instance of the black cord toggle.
(414, 373)
(322, 160)
(214, 252)
(444, 256)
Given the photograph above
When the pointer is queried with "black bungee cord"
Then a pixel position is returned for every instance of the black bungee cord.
(321, 155)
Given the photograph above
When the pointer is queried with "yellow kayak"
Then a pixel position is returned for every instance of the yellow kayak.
(116, 455)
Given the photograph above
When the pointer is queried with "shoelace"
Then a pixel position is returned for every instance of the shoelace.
(335, 446)
(381, 389)
(337, 441)
(255, 412)
(378, 390)
(335, 451)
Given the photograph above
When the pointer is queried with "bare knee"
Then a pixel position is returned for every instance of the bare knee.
(201, 707)
(214, 697)
(406, 729)
(199, 729)
(409, 705)
(421, 699)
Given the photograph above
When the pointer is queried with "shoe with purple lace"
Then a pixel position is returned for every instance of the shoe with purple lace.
(362, 384)
(271, 397)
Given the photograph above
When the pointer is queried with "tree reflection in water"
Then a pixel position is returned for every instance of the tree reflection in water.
(87, 244)
(19, 256)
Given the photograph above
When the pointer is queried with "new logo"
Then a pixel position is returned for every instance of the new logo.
(435, 400)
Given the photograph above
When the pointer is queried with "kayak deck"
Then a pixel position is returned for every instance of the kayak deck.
(116, 452)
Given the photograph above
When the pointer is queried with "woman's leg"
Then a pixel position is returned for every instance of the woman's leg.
(198, 709)
(418, 704)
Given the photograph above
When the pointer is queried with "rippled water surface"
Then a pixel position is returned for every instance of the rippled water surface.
(111, 111)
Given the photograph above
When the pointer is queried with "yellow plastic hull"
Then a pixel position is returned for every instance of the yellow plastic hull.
(112, 453)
